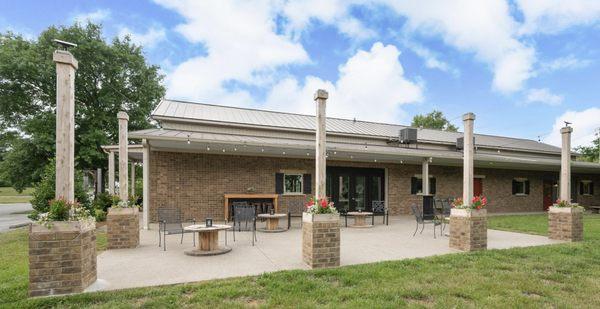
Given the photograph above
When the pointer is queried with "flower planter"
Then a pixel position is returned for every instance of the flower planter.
(468, 229)
(123, 228)
(62, 257)
(565, 223)
(321, 240)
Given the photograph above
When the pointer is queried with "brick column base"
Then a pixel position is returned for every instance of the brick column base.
(62, 258)
(565, 223)
(123, 225)
(468, 229)
(321, 240)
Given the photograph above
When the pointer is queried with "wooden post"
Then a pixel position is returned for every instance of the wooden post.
(321, 147)
(146, 184)
(99, 181)
(468, 120)
(565, 164)
(425, 176)
(123, 119)
(111, 172)
(66, 65)
(132, 179)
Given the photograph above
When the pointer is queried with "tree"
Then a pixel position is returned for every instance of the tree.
(433, 120)
(590, 153)
(111, 77)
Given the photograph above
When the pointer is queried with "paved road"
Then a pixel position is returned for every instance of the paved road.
(11, 214)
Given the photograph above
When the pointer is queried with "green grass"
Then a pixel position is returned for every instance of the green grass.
(564, 275)
(8, 195)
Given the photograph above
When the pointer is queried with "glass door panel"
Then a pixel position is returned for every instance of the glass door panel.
(343, 193)
(359, 194)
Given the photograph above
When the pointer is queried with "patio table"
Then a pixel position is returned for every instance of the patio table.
(209, 239)
(360, 219)
(272, 222)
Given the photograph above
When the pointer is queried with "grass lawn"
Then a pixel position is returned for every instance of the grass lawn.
(565, 275)
(8, 195)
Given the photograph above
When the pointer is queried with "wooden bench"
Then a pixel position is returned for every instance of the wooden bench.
(594, 209)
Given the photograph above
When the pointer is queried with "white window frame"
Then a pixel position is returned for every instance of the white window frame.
(588, 182)
(523, 181)
(285, 189)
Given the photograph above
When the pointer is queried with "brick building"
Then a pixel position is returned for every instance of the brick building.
(202, 152)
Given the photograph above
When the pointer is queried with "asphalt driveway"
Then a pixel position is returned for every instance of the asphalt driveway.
(13, 214)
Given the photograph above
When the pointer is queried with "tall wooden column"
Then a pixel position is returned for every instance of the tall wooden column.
(123, 159)
(468, 120)
(565, 164)
(146, 184)
(111, 172)
(132, 179)
(320, 145)
(66, 65)
(425, 176)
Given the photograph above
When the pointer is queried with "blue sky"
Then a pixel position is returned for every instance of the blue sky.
(521, 66)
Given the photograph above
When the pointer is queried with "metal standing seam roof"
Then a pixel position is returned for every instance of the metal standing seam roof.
(245, 116)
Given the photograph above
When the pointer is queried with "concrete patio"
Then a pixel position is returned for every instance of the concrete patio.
(149, 265)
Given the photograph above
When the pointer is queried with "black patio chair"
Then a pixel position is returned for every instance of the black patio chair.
(421, 219)
(295, 210)
(343, 211)
(170, 223)
(378, 208)
(445, 215)
(245, 214)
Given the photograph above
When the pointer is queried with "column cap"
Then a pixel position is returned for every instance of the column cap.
(63, 56)
(468, 116)
(123, 116)
(321, 94)
(566, 130)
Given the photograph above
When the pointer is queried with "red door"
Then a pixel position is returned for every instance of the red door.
(548, 185)
(477, 187)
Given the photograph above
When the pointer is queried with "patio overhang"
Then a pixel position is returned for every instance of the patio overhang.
(234, 144)
(134, 151)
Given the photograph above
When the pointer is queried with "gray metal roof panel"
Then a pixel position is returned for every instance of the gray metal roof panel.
(245, 116)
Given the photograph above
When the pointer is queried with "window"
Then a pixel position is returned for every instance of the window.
(586, 187)
(293, 183)
(416, 185)
(520, 186)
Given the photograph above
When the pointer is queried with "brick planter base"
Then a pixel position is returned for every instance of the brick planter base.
(321, 240)
(565, 223)
(62, 258)
(468, 229)
(123, 225)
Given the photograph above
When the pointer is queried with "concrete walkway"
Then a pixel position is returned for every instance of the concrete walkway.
(13, 214)
(149, 265)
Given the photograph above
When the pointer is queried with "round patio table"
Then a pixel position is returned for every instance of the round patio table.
(272, 223)
(209, 240)
(360, 219)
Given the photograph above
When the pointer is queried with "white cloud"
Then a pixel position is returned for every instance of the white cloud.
(543, 96)
(584, 124)
(485, 28)
(552, 16)
(372, 86)
(149, 39)
(569, 62)
(95, 16)
(241, 42)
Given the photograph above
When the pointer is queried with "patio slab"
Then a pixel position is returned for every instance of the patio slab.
(149, 265)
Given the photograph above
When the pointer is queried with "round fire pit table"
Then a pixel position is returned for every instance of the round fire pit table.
(208, 237)
(272, 223)
(360, 219)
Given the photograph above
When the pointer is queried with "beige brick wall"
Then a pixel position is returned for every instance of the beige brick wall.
(196, 183)
(565, 226)
(321, 243)
(468, 233)
(123, 228)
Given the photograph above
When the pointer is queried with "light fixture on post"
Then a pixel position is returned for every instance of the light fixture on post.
(188, 139)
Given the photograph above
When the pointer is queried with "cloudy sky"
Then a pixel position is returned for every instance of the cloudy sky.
(521, 66)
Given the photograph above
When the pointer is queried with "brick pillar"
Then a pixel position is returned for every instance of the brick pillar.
(321, 240)
(123, 228)
(62, 258)
(565, 223)
(468, 229)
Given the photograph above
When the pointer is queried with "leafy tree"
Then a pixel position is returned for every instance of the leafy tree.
(590, 153)
(433, 120)
(112, 76)
(45, 190)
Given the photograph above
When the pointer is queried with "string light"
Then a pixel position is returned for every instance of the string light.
(188, 139)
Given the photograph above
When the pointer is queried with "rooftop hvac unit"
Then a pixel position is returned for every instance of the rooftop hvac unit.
(408, 136)
(460, 143)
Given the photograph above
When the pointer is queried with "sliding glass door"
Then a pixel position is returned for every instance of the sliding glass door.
(353, 189)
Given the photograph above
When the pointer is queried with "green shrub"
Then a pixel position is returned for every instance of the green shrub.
(103, 201)
(100, 215)
(44, 191)
(58, 210)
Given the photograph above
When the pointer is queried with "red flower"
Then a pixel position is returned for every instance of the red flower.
(324, 203)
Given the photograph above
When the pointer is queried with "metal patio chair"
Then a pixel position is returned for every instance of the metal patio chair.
(244, 214)
(422, 220)
(295, 209)
(170, 223)
(378, 208)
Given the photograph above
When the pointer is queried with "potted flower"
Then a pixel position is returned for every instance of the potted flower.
(320, 209)
(477, 206)
(123, 224)
(74, 227)
(564, 206)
